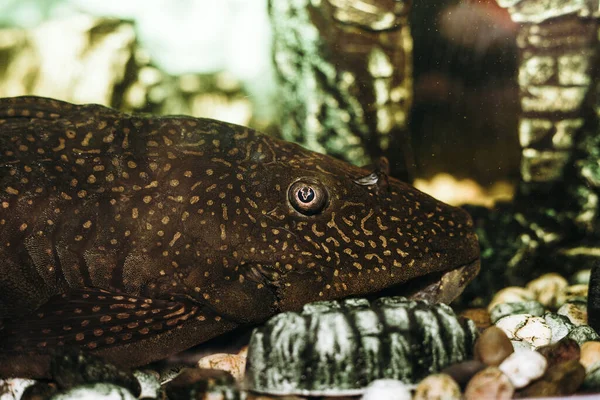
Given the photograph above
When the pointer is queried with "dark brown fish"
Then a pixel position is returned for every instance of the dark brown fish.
(139, 237)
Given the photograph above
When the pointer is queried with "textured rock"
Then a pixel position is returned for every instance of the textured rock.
(437, 387)
(530, 307)
(511, 294)
(558, 353)
(547, 287)
(582, 334)
(559, 325)
(338, 347)
(96, 391)
(590, 354)
(526, 328)
(523, 366)
(73, 368)
(489, 383)
(575, 311)
(389, 389)
(493, 346)
(232, 363)
(559, 380)
(464, 371)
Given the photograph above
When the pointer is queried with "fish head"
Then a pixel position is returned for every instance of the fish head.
(322, 229)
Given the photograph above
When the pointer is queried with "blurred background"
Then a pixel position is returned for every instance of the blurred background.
(222, 59)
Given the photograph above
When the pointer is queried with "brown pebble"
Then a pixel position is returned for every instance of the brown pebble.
(590, 354)
(480, 316)
(559, 380)
(491, 383)
(560, 352)
(493, 346)
(464, 371)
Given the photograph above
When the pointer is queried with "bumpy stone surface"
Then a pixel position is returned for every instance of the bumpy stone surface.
(437, 387)
(582, 334)
(339, 347)
(74, 368)
(530, 307)
(493, 346)
(547, 287)
(387, 389)
(523, 366)
(489, 383)
(526, 328)
(559, 324)
(575, 311)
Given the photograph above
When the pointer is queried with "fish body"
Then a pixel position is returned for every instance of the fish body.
(137, 237)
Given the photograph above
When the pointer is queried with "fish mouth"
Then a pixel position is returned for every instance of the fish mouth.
(438, 287)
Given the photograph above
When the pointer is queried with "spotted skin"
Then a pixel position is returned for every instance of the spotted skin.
(137, 237)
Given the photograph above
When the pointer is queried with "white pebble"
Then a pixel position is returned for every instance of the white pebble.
(96, 391)
(523, 366)
(148, 382)
(527, 328)
(389, 389)
(13, 388)
(233, 363)
(576, 312)
(511, 294)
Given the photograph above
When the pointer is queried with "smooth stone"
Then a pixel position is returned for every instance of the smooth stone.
(583, 333)
(575, 311)
(559, 380)
(387, 389)
(559, 325)
(437, 387)
(480, 316)
(547, 287)
(581, 277)
(523, 366)
(149, 382)
(530, 307)
(561, 352)
(13, 388)
(527, 328)
(96, 391)
(590, 354)
(464, 371)
(232, 363)
(493, 346)
(490, 383)
(572, 293)
(511, 294)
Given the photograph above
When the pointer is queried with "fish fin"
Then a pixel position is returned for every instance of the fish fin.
(93, 319)
(32, 107)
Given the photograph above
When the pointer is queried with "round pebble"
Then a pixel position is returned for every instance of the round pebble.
(437, 387)
(559, 380)
(511, 294)
(582, 334)
(13, 388)
(96, 391)
(490, 383)
(527, 328)
(493, 346)
(559, 325)
(523, 366)
(530, 307)
(547, 287)
(581, 277)
(232, 363)
(590, 354)
(572, 293)
(561, 352)
(387, 389)
(576, 312)
(464, 371)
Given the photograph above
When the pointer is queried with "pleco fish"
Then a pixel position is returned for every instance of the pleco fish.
(137, 237)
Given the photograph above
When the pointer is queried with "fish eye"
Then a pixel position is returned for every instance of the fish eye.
(308, 198)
